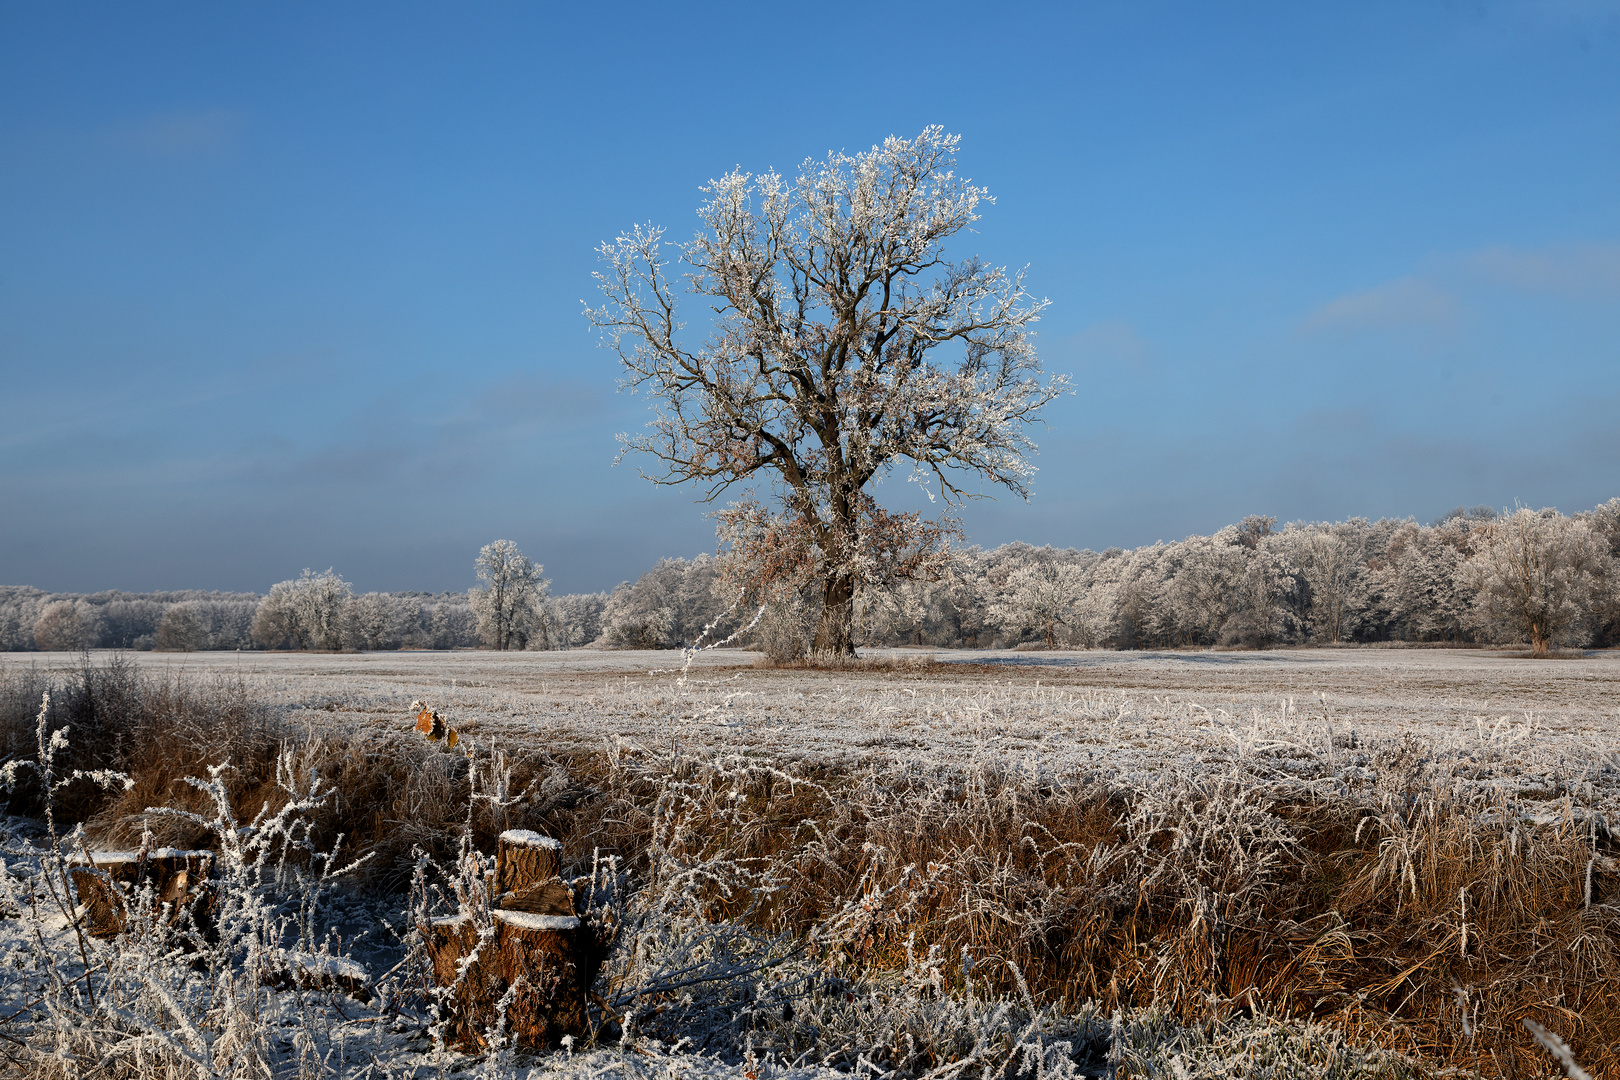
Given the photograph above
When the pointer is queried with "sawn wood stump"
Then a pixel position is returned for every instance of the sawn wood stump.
(106, 881)
(532, 961)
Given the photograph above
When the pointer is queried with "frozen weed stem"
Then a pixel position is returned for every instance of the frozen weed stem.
(1343, 899)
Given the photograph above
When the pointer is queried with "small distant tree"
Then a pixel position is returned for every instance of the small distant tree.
(377, 621)
(62, 627)
(1419, 582)
(575, 619)
(1537, 574)
(844, 344)
(1254, 529)
(1042, 597)
(183, 629)
(508, 603)
(1605, 522)
(303, 613)
(1330, 559)
(1206, 586)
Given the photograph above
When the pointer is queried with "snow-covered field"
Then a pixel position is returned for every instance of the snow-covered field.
(1118, 712)
(1124, 718)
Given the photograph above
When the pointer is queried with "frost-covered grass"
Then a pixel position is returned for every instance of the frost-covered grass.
(1189, 865)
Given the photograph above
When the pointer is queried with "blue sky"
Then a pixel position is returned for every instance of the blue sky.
(299, 284)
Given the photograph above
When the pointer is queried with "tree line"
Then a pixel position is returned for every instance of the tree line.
(1474, 576)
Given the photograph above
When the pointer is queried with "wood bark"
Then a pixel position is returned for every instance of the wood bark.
(525, 858)
(528, 970)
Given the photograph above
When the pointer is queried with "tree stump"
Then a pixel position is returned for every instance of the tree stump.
(531, 963)
(105, 881)
(525, 858)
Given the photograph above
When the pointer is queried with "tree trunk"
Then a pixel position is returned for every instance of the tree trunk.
(542, 956)
(524, 858)
(835, 633)
(1539, 640)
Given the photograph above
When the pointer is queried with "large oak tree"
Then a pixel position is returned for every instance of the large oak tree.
(840, 343)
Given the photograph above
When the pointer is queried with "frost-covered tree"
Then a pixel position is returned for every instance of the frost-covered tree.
(1605, 522)
(638, 619)
(575, 619)
(20, 607)
(1271, 598)
(1329, 557)
(130, 619)
(844, 343)
(958, 605)
(1421, 580)
(1537, 573)
(378, 621)
(508, 603)
(1041, 597)
(303, 613)
(1205, 587)
(182, 629)
(230, 620)
(66, 625)
(668, 606)
(442, 621)
(1134, 587)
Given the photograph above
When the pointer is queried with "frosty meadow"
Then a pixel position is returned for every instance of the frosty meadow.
(1320, 863)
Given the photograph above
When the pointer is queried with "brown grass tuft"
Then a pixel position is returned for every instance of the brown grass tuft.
(1427, 921)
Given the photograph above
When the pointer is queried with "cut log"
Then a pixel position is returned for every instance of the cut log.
(313, 971)
(552, 897)
(105, 880)
(531, 962)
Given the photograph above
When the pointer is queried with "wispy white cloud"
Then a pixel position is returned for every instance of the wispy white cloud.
(180, 134)
(1408, 302)
(1588, 271)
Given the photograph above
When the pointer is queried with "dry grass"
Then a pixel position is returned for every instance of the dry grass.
(1414, 910)
(1413, 915)
(394, 793)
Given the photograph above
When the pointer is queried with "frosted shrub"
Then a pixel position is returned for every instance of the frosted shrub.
(66, 625)
(304, 613)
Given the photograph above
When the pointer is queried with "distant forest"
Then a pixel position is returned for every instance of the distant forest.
(1248, 585)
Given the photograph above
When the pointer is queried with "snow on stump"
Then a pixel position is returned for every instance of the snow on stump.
(526, 961)
(105, 881)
